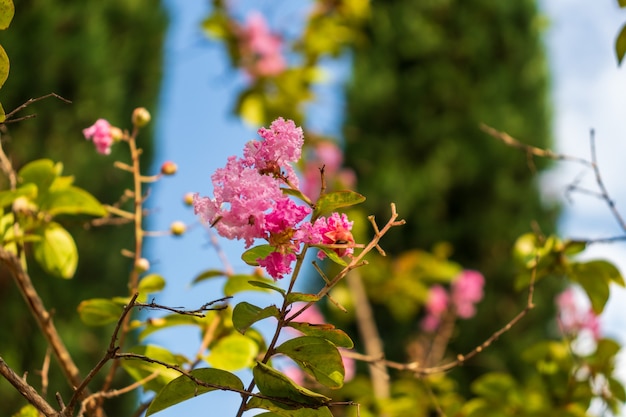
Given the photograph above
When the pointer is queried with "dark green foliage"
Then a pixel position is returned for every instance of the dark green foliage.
(431, 72)
(104, 56)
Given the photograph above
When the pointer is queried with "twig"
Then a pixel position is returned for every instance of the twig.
(379, 376)
(27, 391)
(179, 310)
(28, 103)
(109, 354)
(42, 316)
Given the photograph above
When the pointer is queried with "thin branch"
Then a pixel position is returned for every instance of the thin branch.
(379, 376)
(27, 391)
(28, 103)
(41, 315)
(179, 310)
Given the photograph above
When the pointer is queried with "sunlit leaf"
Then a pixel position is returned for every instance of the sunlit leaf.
(40, 172)
(241, 282)
(56, 252)
(183, 388)
(258, 252)
(150, 284)
(332, 201)
(140, 369)
(332, 255)
(282, 410)
(317, 357)
(4, 67)
(327, 331)
(252, 109)
(99, 311)
(208, 274)
(620, 45)
(294, 297)
(8, 196)
(274, 384)
(27, 411)
(246, 314)
(266, 285)
(7, 10)
(170, 320)
(233, 352)
(574, 247)
(72, 200)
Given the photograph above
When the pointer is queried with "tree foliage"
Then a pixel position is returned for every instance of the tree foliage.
(106, 58)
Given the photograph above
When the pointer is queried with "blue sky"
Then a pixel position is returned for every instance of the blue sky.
(197, 131)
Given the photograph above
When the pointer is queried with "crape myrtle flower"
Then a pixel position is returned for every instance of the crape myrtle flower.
(465, 292)
(260, 48)
(249, 203)
(574, 318)
(101, 133)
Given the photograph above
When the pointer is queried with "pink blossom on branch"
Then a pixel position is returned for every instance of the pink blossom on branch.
(574, 318)
(467, 291)
(260, 49)
(101, 133)
(436, 307)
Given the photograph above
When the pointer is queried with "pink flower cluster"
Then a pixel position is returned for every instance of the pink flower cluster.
(465, 292)
(101, 133)
(249, 203)
(260, 48)
(573, 318)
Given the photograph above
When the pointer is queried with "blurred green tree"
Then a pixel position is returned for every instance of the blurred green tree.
(429, 73)
(106, 57)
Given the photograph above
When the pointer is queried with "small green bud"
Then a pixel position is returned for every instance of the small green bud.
(141, 117)
(178, 228)
(142, 265)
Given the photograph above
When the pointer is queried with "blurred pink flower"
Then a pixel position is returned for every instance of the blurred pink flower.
(101, 135)
(467, 291)
(436, 306)
(573, 318)
(260, 49)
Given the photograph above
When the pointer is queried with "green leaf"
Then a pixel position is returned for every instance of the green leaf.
(274, 384)
(183, 389)
(233, 352)
(72, 200)
(295, 297)
(296, 193)
(9, 196)
(99, 311)
(620, 45)
(262, 284)
(494, 386)
(170, 320)
(258, 252)
(595, 277)
(209, 273)
(327, 331)
(56, 252)
(27, 411)
(317, 357)
(3, 115)
(332, 255)
(7, 10)
(251, 108)
(40, 172)
(246, 314)
(282, 410)
(332, 201)
(241, 282)
(150, 284)
(622, 3)
(574, 247)
(140, 369)
(4, 67)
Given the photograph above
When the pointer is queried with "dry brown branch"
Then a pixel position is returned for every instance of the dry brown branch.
(28, 103)
(27, 391)
(41, 315)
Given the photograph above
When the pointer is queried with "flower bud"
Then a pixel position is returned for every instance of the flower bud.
(116, 133)
(177, 228)
(169, 168)
(141, 117)
(188, 199)
(142, 265)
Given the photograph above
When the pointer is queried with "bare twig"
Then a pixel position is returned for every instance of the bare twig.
(179, 310)
(27, 391)
(28, 103)
(379, 376)
(41, 315)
